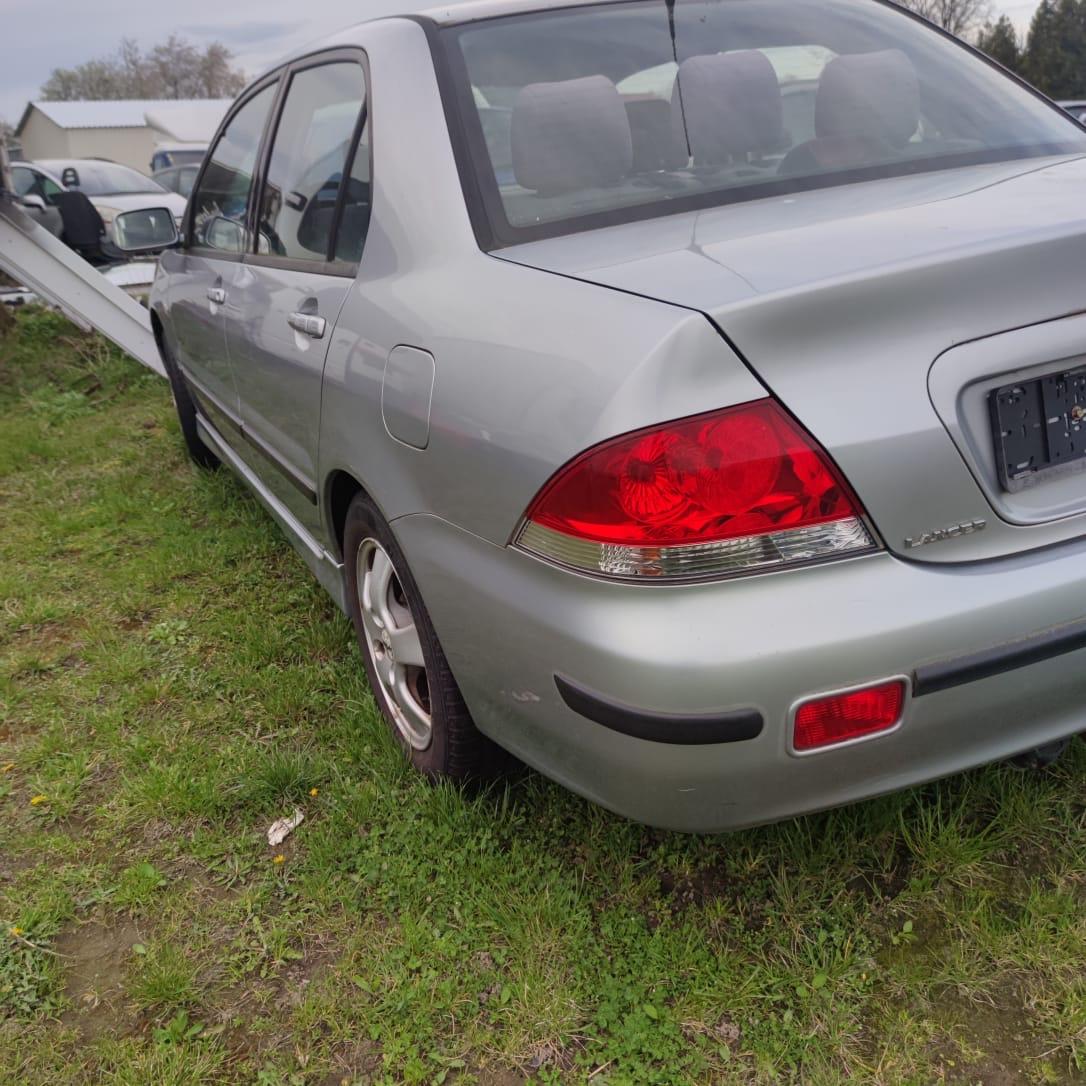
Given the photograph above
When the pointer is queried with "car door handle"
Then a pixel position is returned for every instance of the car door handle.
(216, 295)
(307, 325)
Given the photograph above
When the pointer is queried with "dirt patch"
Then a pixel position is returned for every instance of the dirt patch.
(95, 958)
(994, 1045)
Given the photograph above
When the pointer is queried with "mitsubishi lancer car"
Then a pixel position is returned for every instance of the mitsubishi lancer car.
(686, 398)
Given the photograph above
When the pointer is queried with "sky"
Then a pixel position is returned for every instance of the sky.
(38, 37)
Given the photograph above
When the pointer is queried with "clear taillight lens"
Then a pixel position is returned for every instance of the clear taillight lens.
(739, 489)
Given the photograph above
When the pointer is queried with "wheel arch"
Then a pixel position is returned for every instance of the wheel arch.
(340, 488)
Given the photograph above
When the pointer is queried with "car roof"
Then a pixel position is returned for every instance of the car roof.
(451, 13)
(60, 163)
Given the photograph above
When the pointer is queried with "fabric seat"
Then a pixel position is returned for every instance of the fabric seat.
(570, 135)
(654, 144)
(83, 226)
(866, 109)
(726, 106)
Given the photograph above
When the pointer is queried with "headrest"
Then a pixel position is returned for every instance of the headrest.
(728, 104)
(570, 135)
(869, 95)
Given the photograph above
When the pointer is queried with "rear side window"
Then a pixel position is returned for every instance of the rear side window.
(308, 161)
(221, 203)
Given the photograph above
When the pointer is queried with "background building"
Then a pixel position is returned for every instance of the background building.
(124, 131)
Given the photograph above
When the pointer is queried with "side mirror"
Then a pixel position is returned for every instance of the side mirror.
(34, 203)
(145, 231)
(70, 178)
(225, 234)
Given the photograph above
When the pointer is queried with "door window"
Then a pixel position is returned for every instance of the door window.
(31, 183)
(305, 171)
(23, 180)
(221, 203)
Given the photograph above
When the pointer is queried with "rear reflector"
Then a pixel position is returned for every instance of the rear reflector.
(838, 718)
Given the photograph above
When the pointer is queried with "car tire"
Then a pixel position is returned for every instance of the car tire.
(198, 452)
(420, 701)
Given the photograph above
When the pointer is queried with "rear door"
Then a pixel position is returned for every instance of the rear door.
(284, 298)
(218, 237)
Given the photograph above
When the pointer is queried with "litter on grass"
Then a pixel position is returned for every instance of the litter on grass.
(281, 829)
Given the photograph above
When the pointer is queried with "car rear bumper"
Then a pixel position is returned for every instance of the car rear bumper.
(990, 650)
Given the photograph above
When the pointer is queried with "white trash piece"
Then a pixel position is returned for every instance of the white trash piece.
(280, 830)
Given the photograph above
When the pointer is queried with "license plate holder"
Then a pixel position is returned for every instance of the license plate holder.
(1039, 428)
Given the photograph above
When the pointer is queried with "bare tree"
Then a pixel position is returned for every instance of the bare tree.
(175, 68)
(961, 17)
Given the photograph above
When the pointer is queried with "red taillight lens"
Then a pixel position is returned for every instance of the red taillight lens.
(838, 718)
(745, 481)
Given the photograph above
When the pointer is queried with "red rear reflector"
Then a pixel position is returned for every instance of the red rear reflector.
(838, 718)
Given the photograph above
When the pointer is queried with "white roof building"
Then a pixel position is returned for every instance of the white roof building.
(125, 131)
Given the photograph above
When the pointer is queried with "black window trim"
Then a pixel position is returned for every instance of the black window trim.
(329, 266)
(483, 198)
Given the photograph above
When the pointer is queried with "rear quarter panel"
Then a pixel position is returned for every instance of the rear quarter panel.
(531, 367)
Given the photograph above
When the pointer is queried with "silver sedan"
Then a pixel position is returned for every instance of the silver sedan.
(688, 399)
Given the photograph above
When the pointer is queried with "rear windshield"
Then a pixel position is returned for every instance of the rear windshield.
(584, 116)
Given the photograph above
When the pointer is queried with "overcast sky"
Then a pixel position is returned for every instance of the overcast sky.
(39, 37)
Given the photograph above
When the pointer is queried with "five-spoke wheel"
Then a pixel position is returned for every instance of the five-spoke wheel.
(393, 643)
(407, 669)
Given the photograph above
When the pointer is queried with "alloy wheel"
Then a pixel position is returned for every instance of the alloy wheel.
(393, 643)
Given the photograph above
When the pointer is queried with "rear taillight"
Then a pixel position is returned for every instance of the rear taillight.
(734, 490)
(841, 718)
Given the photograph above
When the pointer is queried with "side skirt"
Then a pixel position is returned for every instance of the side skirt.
(325, 568)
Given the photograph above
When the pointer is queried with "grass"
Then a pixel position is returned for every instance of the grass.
(172, 680)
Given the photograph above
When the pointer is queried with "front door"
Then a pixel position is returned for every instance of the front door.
(202, 271)
(284, 299)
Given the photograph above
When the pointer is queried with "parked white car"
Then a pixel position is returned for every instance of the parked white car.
(38, 190)
(113, 188)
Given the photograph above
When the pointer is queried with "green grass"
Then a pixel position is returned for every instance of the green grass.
(172, 680)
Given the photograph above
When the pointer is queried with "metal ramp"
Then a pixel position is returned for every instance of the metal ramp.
(33, 257)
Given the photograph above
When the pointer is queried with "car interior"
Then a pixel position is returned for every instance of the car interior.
(590, 112)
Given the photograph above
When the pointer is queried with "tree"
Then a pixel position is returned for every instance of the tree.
(960, 17)
(1055, 58)
(175, 68)
(1000, 41)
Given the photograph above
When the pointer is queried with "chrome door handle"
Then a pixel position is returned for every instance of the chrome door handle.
(216, 295)
(307, 325)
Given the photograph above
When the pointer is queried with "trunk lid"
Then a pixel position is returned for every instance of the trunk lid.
(882, 315)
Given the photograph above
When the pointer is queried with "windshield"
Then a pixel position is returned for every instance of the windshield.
(109, 179)
(586, 116)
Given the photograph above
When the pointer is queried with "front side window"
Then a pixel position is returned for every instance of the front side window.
(308, 160)
(581, 116)
(221, 203)
(24, 181)
(31, 183)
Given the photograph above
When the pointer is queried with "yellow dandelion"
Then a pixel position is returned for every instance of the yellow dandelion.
(37, 801)
(280, 859)
(15, 932)
(7, 767)
(314, 791)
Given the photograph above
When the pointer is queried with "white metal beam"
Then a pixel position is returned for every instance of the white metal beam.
(30, 254)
